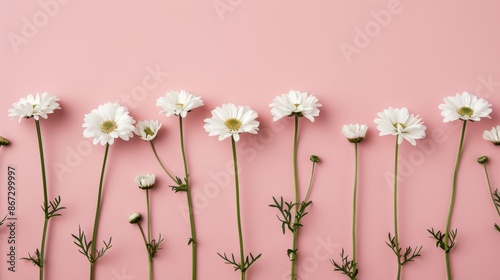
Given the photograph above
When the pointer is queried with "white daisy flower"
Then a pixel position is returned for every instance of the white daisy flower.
(355, 133)
(34, 106)
(466, 107)
(147, 130)
(145, 181)
(493, 135)
(295, 103)
(178, 103)
(107, 122)
(400, 123)
(231, 120)
(134, 218)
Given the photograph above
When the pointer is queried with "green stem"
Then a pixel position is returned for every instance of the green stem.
(238, 211)
(310, 182)
(45, 199)
(354, 207)
(97, 215)
(293, 255)
(190, 205)
(452, 202)
(148, 219)
(489, 188)
(150, 268)
(150, 259)
(396, 232)
(159, 161)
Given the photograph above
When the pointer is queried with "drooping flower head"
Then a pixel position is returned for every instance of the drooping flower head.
(34, 106)
(493, 135)
(178, 103)
(134, 218)
(145, 181)
(295, 103)
(400, 123)
(4, 141)
(147, 130)
(355, 133)
(231, 120)
(107, 122)
(466, 107)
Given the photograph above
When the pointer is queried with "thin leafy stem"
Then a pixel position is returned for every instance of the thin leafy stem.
(93, 250)
(192, 240)
(348, 267)
(292, 253)
(440, 239)
(452, 201)
(86, 247)
(159, 161)
(495, 196)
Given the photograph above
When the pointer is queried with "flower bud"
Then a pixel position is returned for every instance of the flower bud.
(134, 218)
(4, 141)
(145, 181)
(482, 160)
(314, 158)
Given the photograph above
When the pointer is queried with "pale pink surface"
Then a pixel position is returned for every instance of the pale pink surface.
(91, 52)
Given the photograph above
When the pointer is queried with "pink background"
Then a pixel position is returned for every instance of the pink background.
(248, 52)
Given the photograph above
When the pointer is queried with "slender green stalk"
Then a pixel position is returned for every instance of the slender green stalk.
(45, 200)
(150, 259)
(159, 161)
(355, 208)
(193, 240)
(238, 211)
(489, 189)
(97, 215)
(293, 255)
(313, 169)
(148, 219)
(396, 232)
(452, 202)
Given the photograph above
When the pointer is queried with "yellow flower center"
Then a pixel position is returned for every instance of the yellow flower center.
(402, 125)
(179, 105)
(108, 126)
(148, 131)
(233, 124)
(296, 105)
(465, 111)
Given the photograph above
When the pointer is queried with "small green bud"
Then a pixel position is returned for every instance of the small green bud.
(482, 160)
(4, 141)
(314, 158)
(134, 218)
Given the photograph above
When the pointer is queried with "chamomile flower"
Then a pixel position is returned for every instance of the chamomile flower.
(145, 181)
(108, 122)
(35, 107)
(493, 135)
(466, 107)
(231, 120)
(147, 130)
(401, 123)
(178, 103)
(295, 103)
(355, 133)
(134, 218)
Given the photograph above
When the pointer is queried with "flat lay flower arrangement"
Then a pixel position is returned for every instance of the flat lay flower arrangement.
(111, 122)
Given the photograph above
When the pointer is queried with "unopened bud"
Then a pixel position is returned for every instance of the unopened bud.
(482, 160)
(134, 218)
(314, 158)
